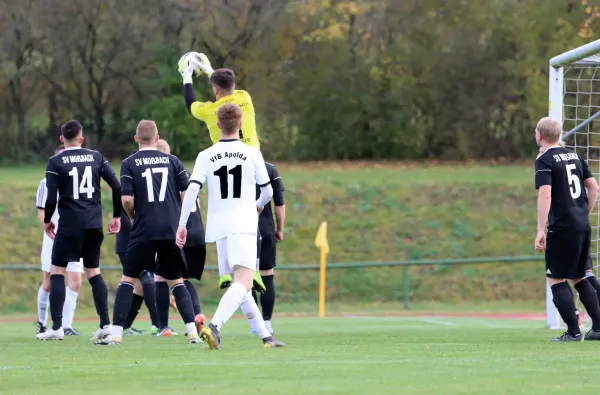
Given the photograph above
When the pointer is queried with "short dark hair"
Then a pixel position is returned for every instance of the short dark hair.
(71, 129)
(229, 116)
(223, 78)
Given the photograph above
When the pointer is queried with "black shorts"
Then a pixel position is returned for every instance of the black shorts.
(122, 260)
(267, 252)
(162, 257)
(567, 253)
(195, 259)
(72, 245)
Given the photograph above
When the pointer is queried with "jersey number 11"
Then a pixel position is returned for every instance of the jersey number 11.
(223, 175)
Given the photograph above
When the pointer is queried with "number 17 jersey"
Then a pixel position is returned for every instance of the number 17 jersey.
(232, 170)
(565, 171)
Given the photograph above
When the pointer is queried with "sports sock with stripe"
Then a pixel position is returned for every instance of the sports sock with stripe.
(100, 293)
(43, 301)
(122, 306)
(250, 310)
(69, 307)
(136, 305)
(194, 295)
(163, 302)
(184, 302)
(57, 299)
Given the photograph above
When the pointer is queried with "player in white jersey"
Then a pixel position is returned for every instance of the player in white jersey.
(74, 270)
(232, 170)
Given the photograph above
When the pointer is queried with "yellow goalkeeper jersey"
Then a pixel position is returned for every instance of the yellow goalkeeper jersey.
(207, 112)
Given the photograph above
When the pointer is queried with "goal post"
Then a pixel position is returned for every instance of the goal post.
(574, 101)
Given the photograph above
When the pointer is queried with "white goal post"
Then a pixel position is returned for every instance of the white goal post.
(574, 94)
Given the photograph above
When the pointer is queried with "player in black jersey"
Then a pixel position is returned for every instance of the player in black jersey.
(567, 194)
(152, 183)
(270, 235)
(195, 257)
(75, 175)
(144, 291)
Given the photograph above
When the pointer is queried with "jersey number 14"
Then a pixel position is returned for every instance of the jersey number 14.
(86, 186)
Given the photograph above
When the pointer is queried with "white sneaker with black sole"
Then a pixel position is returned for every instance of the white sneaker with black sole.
(103, 335)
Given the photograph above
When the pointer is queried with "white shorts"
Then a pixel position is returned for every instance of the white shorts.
(238, 249)
(75, 267)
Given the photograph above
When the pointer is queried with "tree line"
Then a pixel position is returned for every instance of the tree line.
(330, 79)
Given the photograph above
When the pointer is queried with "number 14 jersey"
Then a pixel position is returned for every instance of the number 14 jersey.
(76, 173)
(565, 171)
(155, 180)
(232, 170)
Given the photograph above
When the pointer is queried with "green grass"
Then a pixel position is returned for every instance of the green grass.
(375, 212)
(375, 355)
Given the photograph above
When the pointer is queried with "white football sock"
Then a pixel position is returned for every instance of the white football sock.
(229, 304)
(250, 310)
(69, 307)
(43, 301)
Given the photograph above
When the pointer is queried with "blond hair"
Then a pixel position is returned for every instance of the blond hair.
(229, 116)
(146, 131)
(549, 130)
(163, 146)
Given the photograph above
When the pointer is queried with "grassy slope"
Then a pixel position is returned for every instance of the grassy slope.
(385, 355)
(375, 212)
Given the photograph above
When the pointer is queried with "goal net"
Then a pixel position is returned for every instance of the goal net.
(575, 102)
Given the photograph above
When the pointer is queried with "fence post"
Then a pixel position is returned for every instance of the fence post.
(405, 285)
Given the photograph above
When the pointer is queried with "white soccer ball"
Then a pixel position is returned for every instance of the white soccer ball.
(194, 59)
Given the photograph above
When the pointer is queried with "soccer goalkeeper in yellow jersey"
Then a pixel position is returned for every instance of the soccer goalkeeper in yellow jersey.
(223, 86)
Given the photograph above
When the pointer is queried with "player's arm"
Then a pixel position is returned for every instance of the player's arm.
(52, 191)
(543, 182)
(40, 202)
(262, 180)
(108, 175)
(593, 190)
(127, 191)
(278, 189)
(187, 71)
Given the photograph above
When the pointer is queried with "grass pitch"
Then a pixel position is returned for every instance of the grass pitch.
(352, 355)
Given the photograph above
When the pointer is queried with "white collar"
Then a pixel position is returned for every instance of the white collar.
(148, 149)
(71, 148)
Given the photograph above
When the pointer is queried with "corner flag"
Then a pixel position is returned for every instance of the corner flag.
(323, 245)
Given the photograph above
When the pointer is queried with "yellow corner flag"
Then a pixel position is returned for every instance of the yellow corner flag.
(323, 245)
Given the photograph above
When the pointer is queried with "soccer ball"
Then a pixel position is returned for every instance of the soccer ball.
(194, 59)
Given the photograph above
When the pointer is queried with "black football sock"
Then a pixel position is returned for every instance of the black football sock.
(150, 299)
(194, 295)
(184, 302)
(136, 305)
(163, 301)
(100, 293)
(563, 300)
(589, 299)
(57, 299)
(596, 284)
(267, 299)
(123, 304)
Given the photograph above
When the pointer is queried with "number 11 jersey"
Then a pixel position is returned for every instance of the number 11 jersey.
(155, 180)
(232, 170)
(76, 173)
(565, 171)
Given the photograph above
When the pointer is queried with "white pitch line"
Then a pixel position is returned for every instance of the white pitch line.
(439, 322)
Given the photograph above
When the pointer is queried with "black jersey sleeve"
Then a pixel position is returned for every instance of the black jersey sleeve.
(126, 180)
(543, 171)
(183, 178)
(586, 169)
(108, 174)
(52, 186)
(278, 188)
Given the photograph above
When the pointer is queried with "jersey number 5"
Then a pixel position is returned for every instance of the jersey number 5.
(86, 185)
(574, 182)
(163, 182)
(223, 175)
